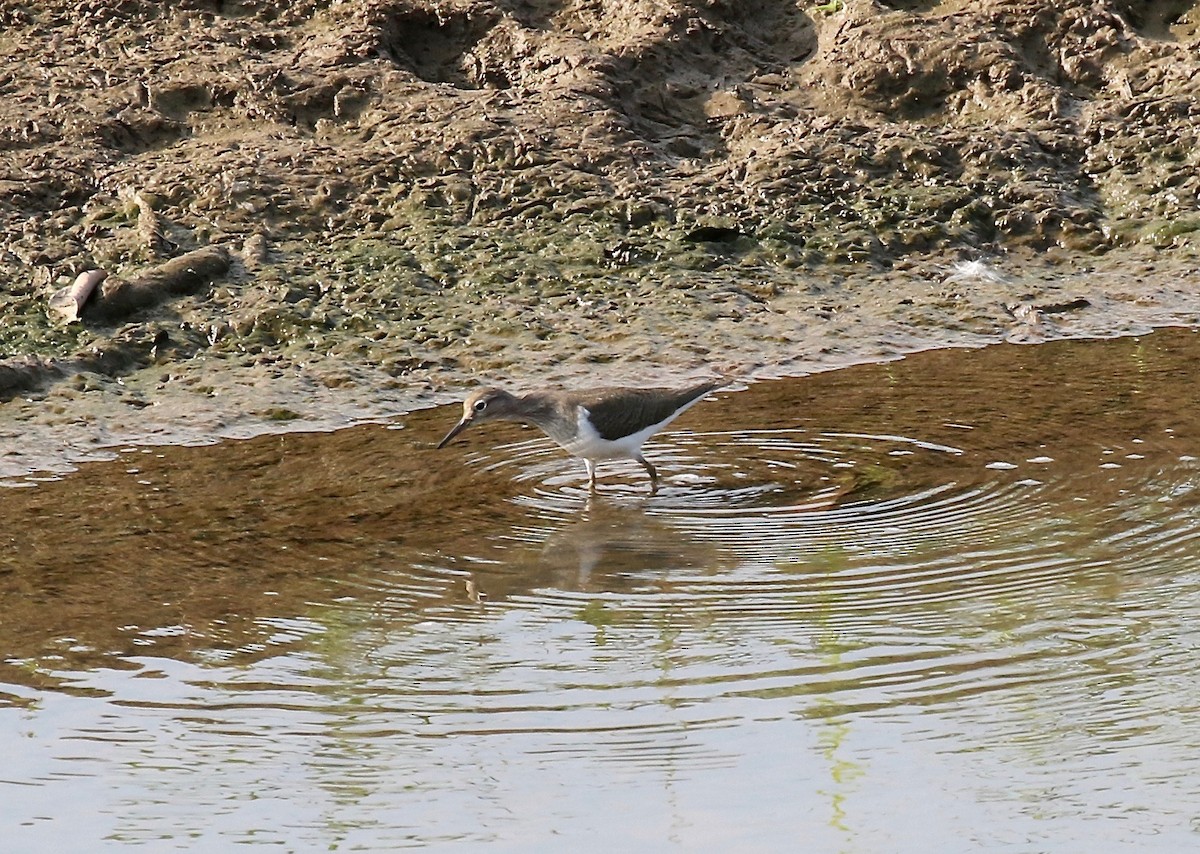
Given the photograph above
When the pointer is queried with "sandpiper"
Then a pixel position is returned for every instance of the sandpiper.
(602, 424)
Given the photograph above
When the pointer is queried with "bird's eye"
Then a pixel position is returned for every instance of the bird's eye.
(480, 405)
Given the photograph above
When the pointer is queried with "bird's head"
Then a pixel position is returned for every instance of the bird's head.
(486, 404)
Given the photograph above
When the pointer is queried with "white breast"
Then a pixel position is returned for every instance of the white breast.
(589, 445)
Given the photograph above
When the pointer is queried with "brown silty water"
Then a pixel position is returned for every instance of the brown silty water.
(979, 564)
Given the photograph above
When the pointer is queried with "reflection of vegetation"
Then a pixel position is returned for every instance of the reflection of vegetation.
(834, 729)
(842, 772)
(871, 477)
(599, 616)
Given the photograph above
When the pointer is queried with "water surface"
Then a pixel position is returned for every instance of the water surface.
(944, 604)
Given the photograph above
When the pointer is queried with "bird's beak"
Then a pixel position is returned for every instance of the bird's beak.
(458, 428)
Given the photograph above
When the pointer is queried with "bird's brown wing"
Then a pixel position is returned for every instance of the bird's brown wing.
(617, 414)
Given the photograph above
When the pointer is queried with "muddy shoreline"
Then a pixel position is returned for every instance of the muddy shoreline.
(418, 196)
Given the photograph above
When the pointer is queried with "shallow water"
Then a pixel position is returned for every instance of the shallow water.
(949, 603)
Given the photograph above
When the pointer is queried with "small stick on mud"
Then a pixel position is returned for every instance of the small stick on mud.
(183, 275)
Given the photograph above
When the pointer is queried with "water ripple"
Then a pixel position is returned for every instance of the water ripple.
(827, 537)
(979, 580)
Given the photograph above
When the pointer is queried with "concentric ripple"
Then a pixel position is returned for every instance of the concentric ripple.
(877, 538)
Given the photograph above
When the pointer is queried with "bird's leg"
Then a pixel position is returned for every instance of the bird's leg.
(591, 470)
(650, 469)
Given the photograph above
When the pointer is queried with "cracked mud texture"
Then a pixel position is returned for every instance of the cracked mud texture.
(421, 195)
